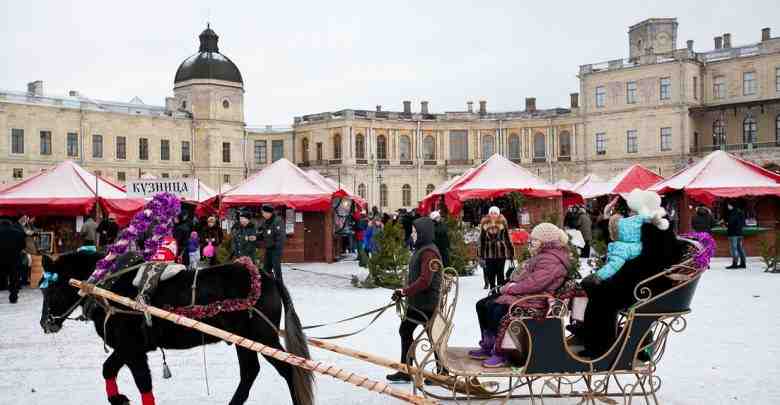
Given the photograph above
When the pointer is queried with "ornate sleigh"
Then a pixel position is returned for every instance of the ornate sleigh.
(550, 368)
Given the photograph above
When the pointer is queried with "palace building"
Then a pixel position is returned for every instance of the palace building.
(664, 106)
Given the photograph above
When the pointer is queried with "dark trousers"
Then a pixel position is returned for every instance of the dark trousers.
(494, 270)
(490, 314)
(272, 263)
(414, 318)
(11, 272)
(585, 252)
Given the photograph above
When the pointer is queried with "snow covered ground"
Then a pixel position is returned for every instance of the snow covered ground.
(730, 353)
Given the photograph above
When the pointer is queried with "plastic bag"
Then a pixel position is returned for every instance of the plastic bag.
(208, 250)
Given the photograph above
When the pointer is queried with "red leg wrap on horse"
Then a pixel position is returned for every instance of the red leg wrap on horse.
(147, 398)
(111, 388)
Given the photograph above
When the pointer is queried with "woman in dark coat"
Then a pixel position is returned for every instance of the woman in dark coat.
(211, 232)
(702, 221)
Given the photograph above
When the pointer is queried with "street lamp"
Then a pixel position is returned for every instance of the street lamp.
(379, 179)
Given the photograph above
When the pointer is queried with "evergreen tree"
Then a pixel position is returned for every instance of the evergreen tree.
(458, 247)
(388, 265)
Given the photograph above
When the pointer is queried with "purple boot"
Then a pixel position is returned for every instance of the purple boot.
(485, 347)
(497, 360)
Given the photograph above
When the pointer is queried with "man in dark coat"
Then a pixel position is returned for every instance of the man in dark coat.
(422, 288)
(107, 231)
(702, 221)
(274, 235)
(441, 237)
(12, 242)
(181, 232)
(735, 228)
(244, 237)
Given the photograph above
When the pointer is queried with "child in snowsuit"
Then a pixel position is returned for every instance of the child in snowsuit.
(193, 250)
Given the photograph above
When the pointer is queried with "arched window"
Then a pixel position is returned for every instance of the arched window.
(514, 146)
(429, 189)
(718, 133)
(405, 146)
(383, 195)
(777, 130)
(360, 146)
(337, 146)
(429, 148)
(488, 146)
(381, 147)
(565, 144)
(305, 150)
(749, 130)
(362, 191)
(406, 195)
(539, 146)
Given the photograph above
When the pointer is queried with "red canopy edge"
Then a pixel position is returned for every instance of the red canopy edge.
(317, 203)
(708, 196)
(454, 199)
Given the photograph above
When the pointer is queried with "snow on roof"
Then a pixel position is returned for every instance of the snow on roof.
(65, 180)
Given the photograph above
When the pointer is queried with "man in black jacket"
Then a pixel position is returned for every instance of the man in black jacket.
(12, 242)
(735, 231)
(273, 231)
(441, 237)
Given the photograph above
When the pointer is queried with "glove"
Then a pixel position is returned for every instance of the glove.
(590, 282)
(397, 295)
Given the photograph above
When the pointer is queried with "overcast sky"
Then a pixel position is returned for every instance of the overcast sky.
(307, 57)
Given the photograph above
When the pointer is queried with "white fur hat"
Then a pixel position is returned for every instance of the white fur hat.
(494, 210)
(435, 215)
(648, 204)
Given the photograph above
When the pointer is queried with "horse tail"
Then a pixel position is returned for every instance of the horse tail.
(295, 343)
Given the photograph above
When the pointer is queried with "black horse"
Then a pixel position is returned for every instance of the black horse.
(131, 339)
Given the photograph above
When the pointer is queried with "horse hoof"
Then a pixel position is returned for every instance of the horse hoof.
(119, 400)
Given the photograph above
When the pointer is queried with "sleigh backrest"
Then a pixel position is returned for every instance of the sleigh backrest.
(441, 323)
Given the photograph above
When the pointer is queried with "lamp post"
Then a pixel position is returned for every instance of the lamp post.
(379, 179)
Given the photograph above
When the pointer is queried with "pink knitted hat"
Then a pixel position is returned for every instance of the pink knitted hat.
(547, 232)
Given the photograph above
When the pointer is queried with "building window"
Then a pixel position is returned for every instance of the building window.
(225, 104)
(429, 189)
(718, 133)
(749, 83)
(97, 146)
(459, 147)
(261, 152)
(631, 92)
(383, 195)
(225, 179)
(164, 175)
(381, 147)
(666, 139)
(514, 146)
(666, 88)
(73, 144)
(601, 96)
(564, 144)
(304, 149)
(319, 151)
(749, 130)
(98, 173)
(277, 150)
(429, 148)
(540, 151)
(18, 174)
(143, 149)
(695, 88)
(405, 146)
(360, 146)
(185, 151)
(719, 87)
(632, 141)
(121, 176)
(17, 141)
(362, 191)
(777, 79)
(121, 147)
(406, 195)
(601, 143)
(226, 152)
(777, 130)
(45, 142)
(488, 146)
(336, 146)
(165, 149)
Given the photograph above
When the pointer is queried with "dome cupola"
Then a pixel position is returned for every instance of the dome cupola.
(208, 63)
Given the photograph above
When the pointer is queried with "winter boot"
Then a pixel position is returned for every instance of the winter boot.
(733, 265)
(485, 347)
(497, 360)
(13, 297)
(399, 377)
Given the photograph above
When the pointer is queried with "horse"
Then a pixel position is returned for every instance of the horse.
(131, 338)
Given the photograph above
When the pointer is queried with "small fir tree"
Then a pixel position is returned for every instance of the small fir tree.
(459, 250)
(387, 267)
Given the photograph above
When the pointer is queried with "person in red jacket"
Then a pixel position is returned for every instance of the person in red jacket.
(422, 287)
(544, 272)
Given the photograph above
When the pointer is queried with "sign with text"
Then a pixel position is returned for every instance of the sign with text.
(185, 188)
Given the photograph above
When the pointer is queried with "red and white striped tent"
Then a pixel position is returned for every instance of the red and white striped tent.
(281, 183)
(721, 175)
(67, 190)
(495, 177)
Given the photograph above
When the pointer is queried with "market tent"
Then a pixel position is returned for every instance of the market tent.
(338, 189)
(636, 176)
(429, 202)
(496, 177)
(591, 186)
(721, 175)
(564, 185)
(67, 190)
(281, 183)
